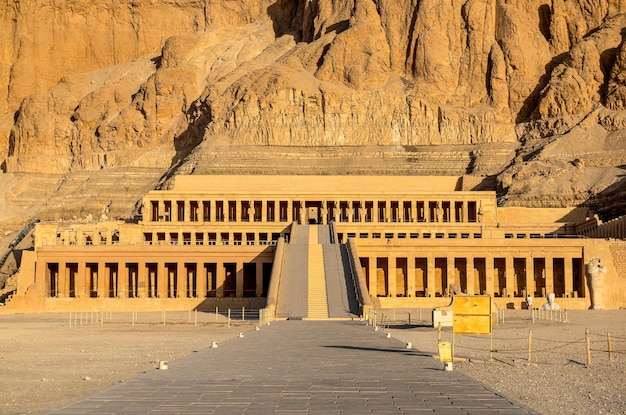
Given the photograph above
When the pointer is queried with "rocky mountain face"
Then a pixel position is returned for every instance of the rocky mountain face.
(529, 92)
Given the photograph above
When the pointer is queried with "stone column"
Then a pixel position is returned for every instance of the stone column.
(470, 275)
(162, 279)
(238, 210)
(264, 210)
(161, 210)
(568, 275)
(350, 211)
(187, 210)
(430, 272)
(212, 210)
(392, 289)
(142, 285)
(289, 211)
(427, 217)
(221, 277)
(239, 280)
(63, 282)
(465, 211)
(530, 276)
(410, 270)
(387, 211)
(549, 275)
(452, 215)
(80, 281)
(489, 277)
(413, 211)
(259, 279)
(102, 277)
(452, 279)
(373, 288)
(201, 280)
(122, 283)
(510, 276)
(181, 273)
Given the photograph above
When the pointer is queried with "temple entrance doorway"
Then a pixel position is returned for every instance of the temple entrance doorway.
(312, 215)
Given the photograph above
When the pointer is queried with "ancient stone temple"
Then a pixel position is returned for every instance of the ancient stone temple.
(319, 247)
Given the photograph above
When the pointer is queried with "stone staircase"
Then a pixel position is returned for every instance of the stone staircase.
(318, 297)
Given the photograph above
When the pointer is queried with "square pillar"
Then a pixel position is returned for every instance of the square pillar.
(122, 283)
(63, 285)
(259, 279)
(452, 279)
(264, 210)
(568, 274)
(549, 275)
(530, 276)
(187, 210)
(101, 277)
(387, 211)
(392, 277)
(212, 209)
(141, 280)
(470, 275)
(238, 210)
(510, 276)
(489, 269)
(410, 270)
(373, 277)
(221, 277)
(181, 273)
(162, 279)
(201, 280)
(430, 272)
(239, 280)
(289, 211)
(80, 280)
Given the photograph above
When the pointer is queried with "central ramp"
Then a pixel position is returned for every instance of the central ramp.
(316, 280)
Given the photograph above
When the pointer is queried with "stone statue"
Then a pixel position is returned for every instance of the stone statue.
(336, 213)
(350, 213)
(324, 213)
(455, 289)
(302, 213)
(551, 305)
(251, 214)
(595, 281)
(362, 214)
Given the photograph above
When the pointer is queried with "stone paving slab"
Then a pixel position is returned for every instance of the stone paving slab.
(302, 367)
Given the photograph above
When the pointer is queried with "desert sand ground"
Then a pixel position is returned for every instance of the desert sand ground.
(46, 363)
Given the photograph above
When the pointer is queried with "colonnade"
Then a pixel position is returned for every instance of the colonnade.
(506, 276)
(160, 279)
(312, 211)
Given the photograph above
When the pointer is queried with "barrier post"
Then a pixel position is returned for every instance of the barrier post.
(610, 346)
(588, 341)
(228, 324)
(530, 341)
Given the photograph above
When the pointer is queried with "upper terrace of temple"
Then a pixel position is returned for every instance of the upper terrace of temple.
(318, 199)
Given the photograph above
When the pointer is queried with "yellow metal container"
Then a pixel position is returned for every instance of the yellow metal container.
(445, 352)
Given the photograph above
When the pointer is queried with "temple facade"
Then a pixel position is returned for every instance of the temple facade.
(414, 242)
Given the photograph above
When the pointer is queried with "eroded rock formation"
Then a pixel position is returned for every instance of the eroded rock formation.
(94, 85)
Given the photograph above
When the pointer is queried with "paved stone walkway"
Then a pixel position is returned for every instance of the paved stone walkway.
(302, 367)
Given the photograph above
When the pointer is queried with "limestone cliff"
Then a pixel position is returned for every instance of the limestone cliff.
(93, 85)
